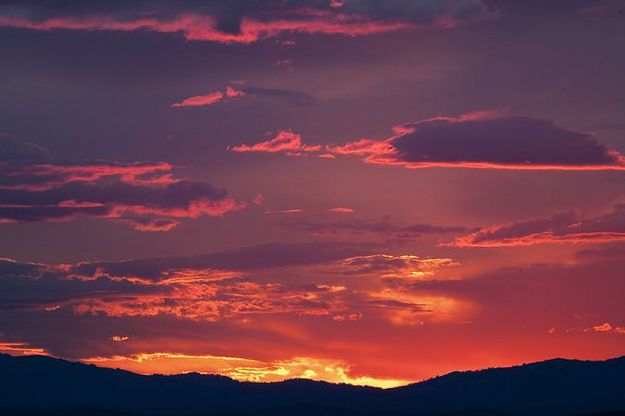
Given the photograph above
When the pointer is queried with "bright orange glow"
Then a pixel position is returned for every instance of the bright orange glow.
(243, 369)
(20, 348)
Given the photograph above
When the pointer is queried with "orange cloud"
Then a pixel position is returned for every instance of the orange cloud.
(343, 210)
(21, 348)
(196, 298)
(606, 328)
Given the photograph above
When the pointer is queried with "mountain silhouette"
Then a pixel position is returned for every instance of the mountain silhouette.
(45, 386)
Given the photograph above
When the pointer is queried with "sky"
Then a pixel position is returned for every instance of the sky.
(353, 191)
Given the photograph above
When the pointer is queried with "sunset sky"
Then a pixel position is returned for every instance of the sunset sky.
(359, 191)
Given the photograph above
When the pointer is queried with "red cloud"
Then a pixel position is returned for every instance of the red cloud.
(555, 229)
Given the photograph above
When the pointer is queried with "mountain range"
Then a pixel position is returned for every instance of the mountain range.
(45, 386)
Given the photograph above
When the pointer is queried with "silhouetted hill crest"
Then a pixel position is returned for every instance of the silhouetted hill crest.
(552, 387)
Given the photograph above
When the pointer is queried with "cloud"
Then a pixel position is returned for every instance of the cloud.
(145, 195)
(21, 348)
(208, 295)
(366, 227)
(230, 93)
(385, 265)
(479, 140)
(202, 288)
(342, 210)
(560, 228)
(404, 307)
(242, 90)
(284, 142)
(245, 21)
(42, 177)
(265, 256)
(213, 301)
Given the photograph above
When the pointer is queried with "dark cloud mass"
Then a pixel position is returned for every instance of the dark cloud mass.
(263, 256)
(499, 141)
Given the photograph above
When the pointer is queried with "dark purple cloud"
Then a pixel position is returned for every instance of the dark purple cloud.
(263, 256)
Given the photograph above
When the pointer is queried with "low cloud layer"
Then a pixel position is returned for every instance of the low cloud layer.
(216, 286)
(480, 140)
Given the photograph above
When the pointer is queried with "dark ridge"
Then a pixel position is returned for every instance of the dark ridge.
(45, 386)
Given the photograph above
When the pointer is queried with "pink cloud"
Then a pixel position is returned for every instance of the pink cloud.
(284, 142)
(210, 99)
